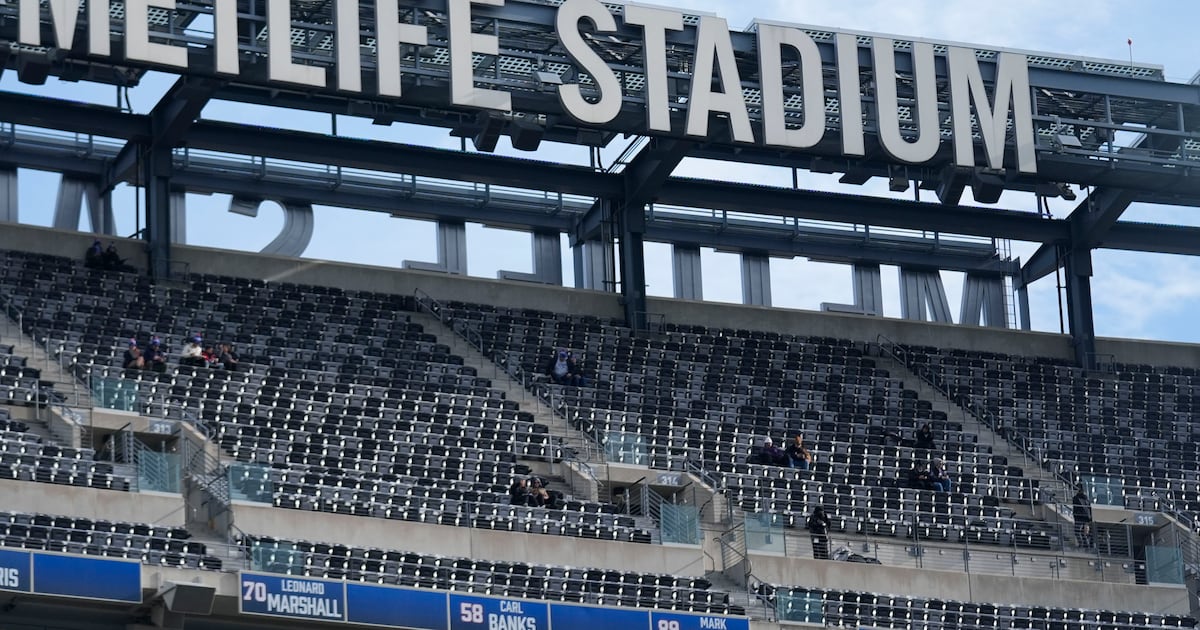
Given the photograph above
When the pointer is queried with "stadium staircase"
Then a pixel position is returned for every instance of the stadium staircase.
(62, 403)
(575, 476)
(1054, 492)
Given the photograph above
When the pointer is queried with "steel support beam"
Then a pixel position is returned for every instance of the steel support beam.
(1092, 221)
(687, 272)
(8, 195)
(641, 179)
(1079, 307)
(156, 177)
(756, 279)
(389, 157)
(825, 206)
(594, 265)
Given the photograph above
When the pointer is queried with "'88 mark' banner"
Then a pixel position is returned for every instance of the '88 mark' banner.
(685, 621)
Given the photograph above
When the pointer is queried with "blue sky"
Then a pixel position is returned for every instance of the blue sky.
(1135, 295)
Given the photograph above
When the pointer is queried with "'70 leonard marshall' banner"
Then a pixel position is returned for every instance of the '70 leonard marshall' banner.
(716, 84)
(335, 601)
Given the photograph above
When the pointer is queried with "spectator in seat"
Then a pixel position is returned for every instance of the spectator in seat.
(798, 455)
(539, 495)
(818, 530)
(112, 260)
(210, 356)
(1081, 510)
(154, 357)
(562, 368)
(518, 492)
(133, 359)
(773, 455)
(227, 358)
(93, 258)
(924, 437)
(193, 352)
(918, 478)
(938, 475)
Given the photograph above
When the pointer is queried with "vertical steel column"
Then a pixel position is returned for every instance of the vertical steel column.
(179, 217)
(8, 195)
(1023, 307)
(756, 279)
(632, 225)
(593, 270)
(1078, 267)
(689, 278)
(156, 174)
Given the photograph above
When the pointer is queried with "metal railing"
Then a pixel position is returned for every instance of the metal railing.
(1112, 559)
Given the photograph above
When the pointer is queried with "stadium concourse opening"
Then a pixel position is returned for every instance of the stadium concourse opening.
(248, 436)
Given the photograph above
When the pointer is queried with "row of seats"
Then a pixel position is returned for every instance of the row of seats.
(151, 544)
(858, 609)
(508, 579)
(25, 456)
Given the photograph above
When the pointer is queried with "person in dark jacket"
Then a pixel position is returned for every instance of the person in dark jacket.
(1081, 510)
(818, 530)
(518, 493)
(799, 456)
(924, 437)
(93, 258)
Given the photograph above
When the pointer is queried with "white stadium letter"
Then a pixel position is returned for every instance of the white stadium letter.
(30, 23)
(225, 38)
(463, 45)
(929, 135)
(280, 66)
(389, 34)
(346, 45)
(1012, 85)
(98, 28)
(137, 35)
(714, 53)
(655, 23)
(771, 40)
(850, 95)
(63, 14)
(606, 108)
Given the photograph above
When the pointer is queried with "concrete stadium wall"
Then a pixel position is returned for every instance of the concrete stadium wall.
(133, 507)
(601, 304)
(955, 585)
(465, 542)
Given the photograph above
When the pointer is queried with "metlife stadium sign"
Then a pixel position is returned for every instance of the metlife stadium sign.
(595, 94)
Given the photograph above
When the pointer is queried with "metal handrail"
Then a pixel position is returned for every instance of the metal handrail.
(973, 557)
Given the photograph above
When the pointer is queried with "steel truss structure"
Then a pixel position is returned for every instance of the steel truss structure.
(1118, 131)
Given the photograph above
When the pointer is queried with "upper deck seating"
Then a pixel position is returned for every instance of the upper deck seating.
(1132, 427)
(151, 544)
(332, 385)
